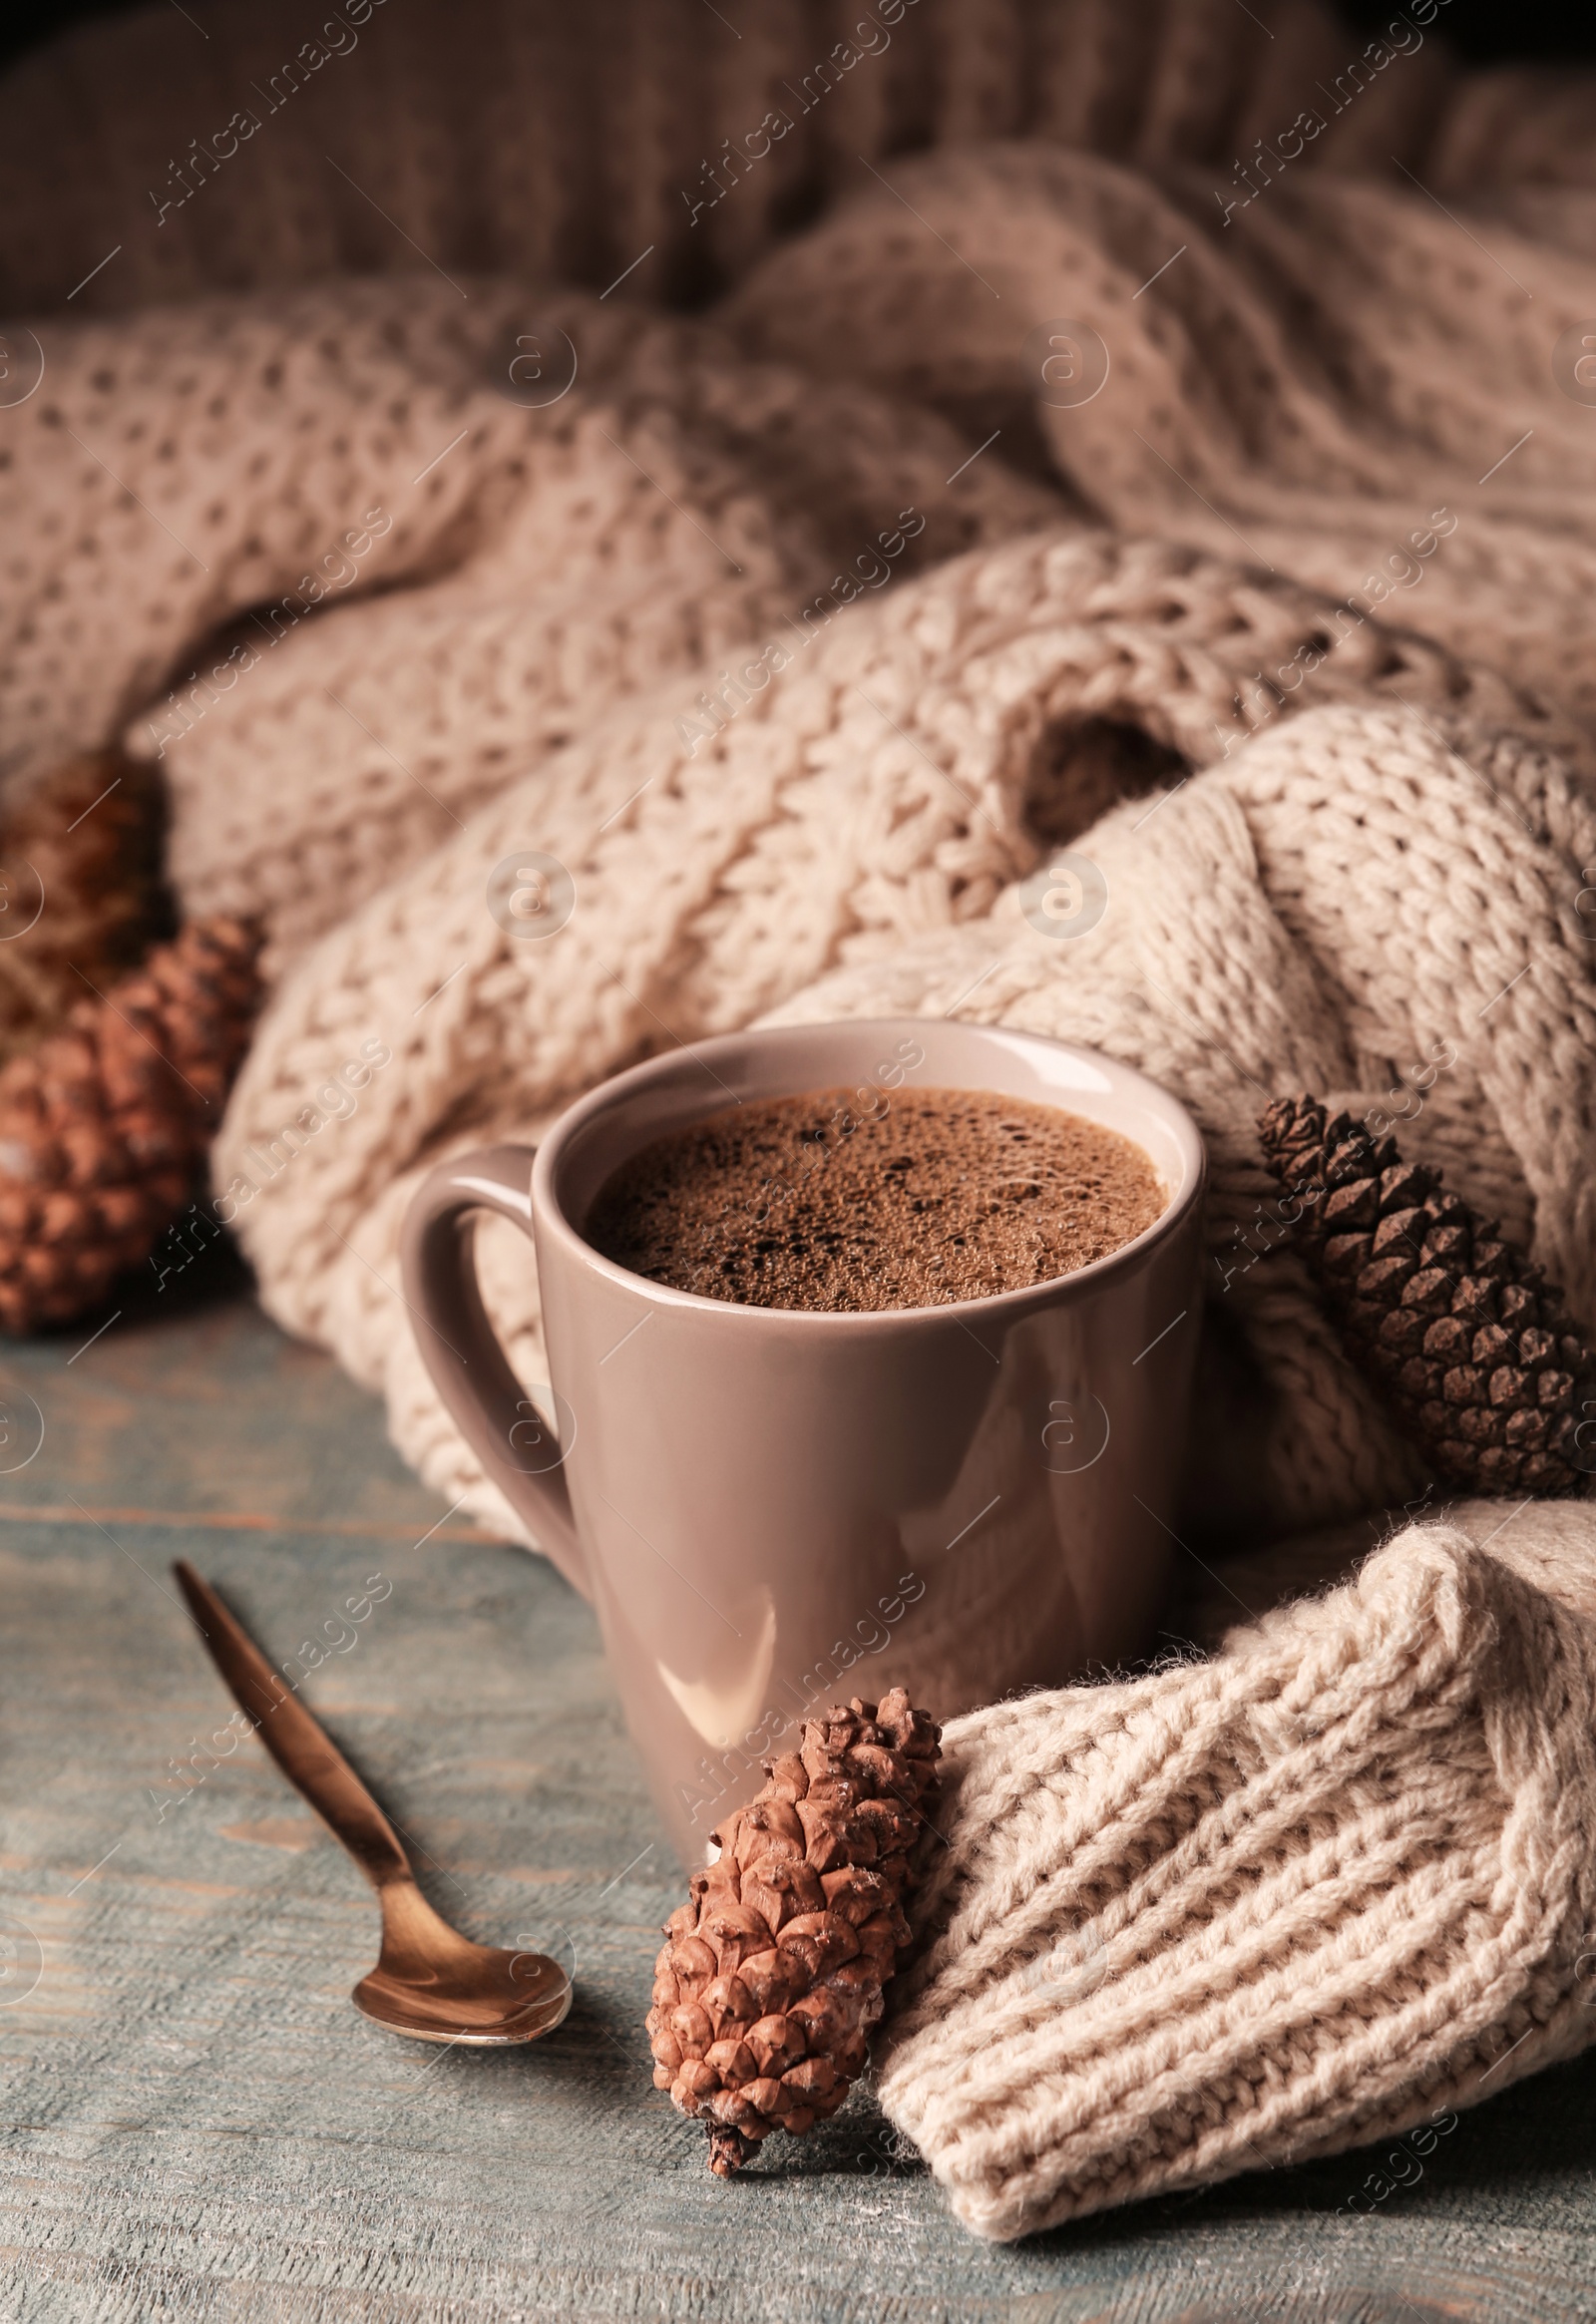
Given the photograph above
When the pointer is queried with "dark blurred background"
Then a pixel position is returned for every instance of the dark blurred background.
(1484, 31)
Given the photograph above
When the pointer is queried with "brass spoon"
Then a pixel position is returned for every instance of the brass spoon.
(430, 1982)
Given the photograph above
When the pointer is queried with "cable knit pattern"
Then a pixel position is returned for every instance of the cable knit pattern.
(1318, 1890)
(803, 633)
(1303, 382)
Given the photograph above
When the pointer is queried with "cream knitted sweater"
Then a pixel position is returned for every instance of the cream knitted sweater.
(804, 635)
(1324, 1888)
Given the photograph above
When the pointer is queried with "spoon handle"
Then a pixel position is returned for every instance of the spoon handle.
(304, 1752)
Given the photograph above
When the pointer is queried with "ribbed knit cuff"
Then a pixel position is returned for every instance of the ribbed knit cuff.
(1269, 1905)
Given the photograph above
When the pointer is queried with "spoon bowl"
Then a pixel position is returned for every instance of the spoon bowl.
(436, 1986)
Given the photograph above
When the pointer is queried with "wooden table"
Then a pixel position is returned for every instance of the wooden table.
(197, 2125)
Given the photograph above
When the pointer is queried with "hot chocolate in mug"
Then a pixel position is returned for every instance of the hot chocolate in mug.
(774, 1508)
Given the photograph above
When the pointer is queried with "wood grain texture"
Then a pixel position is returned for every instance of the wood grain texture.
(197, 2125)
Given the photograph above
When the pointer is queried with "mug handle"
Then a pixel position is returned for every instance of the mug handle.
(459, 1345)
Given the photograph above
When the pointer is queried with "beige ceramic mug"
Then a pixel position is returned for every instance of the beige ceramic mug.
(773, 1508)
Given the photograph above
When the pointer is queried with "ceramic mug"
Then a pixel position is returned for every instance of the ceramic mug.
(774, 1508)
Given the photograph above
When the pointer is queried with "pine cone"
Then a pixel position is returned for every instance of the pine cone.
(1471, 1345)
(772, 1975)
(103, 1126)
(81, 894)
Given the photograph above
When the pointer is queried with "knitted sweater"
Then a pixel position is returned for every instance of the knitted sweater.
(1327, 1887)
(804, 634)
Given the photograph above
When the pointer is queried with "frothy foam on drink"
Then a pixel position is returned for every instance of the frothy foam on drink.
(852, 1201)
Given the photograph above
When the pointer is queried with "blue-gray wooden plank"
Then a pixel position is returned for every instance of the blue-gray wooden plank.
(197, 2125)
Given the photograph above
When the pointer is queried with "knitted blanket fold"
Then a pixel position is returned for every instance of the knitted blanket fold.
(1324, 1887)
(804, 637)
